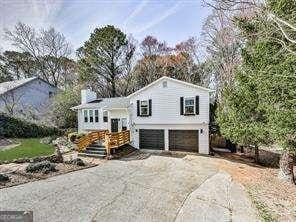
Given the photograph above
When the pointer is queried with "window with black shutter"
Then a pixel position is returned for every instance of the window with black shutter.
(144, 108)
(189, 106)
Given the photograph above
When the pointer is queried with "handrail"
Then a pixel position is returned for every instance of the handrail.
(115, 140)
(89, 138)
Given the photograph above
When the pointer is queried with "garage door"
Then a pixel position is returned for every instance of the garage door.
(186, 140)
(151, 139)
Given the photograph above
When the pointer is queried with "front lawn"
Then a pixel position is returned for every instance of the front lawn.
(29, 148)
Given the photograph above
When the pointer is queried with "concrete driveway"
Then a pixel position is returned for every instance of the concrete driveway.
(140, 188)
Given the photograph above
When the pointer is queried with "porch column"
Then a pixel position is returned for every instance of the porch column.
(166, 139)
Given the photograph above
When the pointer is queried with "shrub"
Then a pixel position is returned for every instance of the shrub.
(14, 127)
(77, 161)
(72, 136)
(43, 166)
(4, 177)
(75, 136)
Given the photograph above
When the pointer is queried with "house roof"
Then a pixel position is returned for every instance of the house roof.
(123, 102)
(170, 79)
(106, 103)
(11, 85)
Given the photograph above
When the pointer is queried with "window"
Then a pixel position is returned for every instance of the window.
(144, 108)
(85, 114)
(165, 84)
(105, 116)
(124, 124)
(96, 116)
(189, 105)
(91, 116)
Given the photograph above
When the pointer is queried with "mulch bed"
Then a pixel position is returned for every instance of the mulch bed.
(17, 178)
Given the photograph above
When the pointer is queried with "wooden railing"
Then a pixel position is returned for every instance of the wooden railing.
(89, 138)
(115, 140)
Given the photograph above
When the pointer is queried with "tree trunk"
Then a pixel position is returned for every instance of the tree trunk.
(256, 154)
(113, 87)
(286, 167)
(242, 149)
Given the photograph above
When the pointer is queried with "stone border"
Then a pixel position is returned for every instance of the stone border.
(51, 158)
(33, 178)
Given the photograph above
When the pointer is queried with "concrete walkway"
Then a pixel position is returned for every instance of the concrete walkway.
(156, 188)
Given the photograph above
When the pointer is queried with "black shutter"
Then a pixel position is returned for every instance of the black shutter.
(197, 105)
(138, 107)
(181, 106)
(150, 107)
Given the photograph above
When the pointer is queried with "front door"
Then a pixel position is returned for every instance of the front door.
(114, 125)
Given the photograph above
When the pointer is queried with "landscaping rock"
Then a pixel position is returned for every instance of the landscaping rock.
(4, 178)
(77, 161)
(63, 144)
(44, 166)
(46, 140)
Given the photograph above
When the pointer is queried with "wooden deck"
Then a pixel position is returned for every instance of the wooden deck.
(110, 140)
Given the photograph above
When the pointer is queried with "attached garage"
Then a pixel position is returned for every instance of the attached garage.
(151, 139)
(183, 140)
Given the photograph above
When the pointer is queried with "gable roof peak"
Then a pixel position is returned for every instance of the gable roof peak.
(170, 79)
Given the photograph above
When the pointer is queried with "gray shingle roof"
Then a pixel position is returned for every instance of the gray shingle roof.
(106, 103)
(7, 86)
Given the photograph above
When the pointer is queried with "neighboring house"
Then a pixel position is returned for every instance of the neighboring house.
(30, 96)
(167, 114)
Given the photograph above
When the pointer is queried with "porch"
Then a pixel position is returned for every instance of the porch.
(102, 143)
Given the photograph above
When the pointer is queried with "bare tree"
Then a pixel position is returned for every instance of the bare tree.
(221, 42)
(279, 29)
(49, 49)
(11, 102)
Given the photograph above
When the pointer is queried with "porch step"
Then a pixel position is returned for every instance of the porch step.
(96, 145)
(93, 148)
(92, 155)
(103, 152)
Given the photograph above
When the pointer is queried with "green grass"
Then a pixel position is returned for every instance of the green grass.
(29, 148)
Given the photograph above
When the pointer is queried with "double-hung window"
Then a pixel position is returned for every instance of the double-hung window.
(189, 106)
(85, 115)
(124, 124)
(144, 108)
(91, 116)
(105, 116)
(96, 116)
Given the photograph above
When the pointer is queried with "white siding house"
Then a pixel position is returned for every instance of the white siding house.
(168, 114)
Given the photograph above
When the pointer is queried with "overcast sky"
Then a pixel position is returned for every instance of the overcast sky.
(169, 20)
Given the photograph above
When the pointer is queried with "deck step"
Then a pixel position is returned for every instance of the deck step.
(95, 151)
(96, 148)
(96, 145)
(92, 155)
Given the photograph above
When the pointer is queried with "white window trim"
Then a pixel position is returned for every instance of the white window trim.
(95, 116)
(123, 122)
(147, 114)
(87, 115)
(105, 111)
(184, 105)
